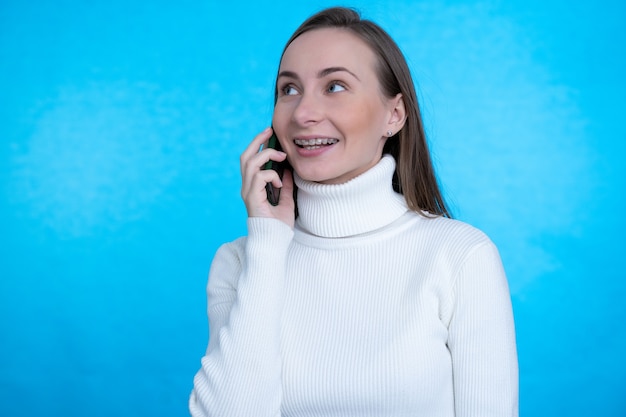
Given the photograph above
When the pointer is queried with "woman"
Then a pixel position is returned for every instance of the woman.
(371, 301)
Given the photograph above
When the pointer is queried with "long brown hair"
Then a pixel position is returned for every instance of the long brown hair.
(415, 176)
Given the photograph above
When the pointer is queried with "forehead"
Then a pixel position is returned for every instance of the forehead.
(320, 48)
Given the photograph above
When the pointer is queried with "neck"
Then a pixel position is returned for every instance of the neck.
(361, 205)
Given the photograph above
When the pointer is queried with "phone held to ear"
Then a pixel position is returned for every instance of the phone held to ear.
(273, 193)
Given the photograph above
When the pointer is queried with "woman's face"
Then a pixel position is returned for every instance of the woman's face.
(331, 116)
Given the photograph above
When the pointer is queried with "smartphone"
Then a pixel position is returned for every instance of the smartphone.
(273, 193)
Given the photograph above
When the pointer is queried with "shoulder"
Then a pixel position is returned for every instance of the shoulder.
(467, 250)
(266, 239)
(230, 251)
(452, 233)
(227, 265)
(447, 243)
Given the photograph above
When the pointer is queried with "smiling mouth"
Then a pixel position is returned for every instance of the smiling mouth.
(311, 144)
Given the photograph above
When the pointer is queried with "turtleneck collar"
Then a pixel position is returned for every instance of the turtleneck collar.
(363, 204)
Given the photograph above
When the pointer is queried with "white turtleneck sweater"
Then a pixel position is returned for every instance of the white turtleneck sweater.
(365, 309)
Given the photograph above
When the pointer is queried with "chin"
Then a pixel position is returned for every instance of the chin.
(314, 178)
(314, 175)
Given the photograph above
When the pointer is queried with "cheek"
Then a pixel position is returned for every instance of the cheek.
(363, 116)
(284, 107)
(281, 120)
(280, 116)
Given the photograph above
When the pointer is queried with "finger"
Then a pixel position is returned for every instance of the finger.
(254, 185)
(256, 163)
(255, 197)
(250, 152)
(255, 145)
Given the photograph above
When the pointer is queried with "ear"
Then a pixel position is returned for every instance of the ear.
(397, 115)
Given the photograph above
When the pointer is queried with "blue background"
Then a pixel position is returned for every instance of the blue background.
(121, 125)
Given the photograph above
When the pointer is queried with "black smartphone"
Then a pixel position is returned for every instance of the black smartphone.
(273, 193)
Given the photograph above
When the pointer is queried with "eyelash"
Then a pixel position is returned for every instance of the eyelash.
(283, 90)
(335, 83)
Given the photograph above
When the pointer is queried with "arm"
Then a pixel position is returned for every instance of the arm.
(482, 338)
(241, 371)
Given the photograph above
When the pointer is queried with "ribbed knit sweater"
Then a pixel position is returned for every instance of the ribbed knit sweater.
(364, 309)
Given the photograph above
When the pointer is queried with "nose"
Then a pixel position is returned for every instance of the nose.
(309, 110)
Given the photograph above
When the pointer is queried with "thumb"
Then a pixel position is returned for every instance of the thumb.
(286, 192)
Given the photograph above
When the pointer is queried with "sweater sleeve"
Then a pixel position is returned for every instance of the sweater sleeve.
(241, 371)
(482, 338)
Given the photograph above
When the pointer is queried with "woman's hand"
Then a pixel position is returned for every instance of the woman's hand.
(254, 178)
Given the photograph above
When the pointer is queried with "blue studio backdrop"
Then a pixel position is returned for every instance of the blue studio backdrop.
(121, 125)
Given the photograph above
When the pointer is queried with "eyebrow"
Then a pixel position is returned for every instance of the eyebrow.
(321, 74)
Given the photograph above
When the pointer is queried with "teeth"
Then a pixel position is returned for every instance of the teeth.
(315, 143)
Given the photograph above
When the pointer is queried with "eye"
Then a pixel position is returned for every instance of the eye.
(288, 90)
(335, 87)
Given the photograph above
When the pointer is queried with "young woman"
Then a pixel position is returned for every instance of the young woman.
(371, 301)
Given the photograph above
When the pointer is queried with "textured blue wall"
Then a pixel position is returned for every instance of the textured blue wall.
(121, 125)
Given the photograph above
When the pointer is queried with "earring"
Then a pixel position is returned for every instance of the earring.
(389, 133)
